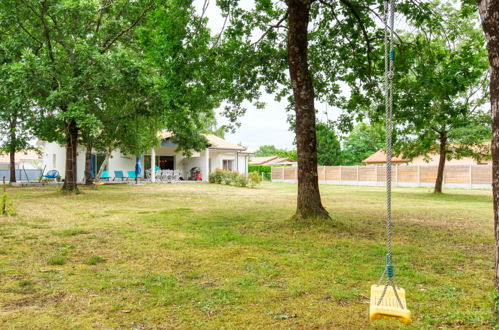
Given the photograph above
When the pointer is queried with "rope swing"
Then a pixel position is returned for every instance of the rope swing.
(388, 300)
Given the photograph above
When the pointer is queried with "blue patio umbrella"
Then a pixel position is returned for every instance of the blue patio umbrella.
(92, 165)
(138, 168)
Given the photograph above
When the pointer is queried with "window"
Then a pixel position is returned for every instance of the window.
(228, 164)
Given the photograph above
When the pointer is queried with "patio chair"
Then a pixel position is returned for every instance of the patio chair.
(131, 175)
(52, 175)
(119, 175)
(105, 176)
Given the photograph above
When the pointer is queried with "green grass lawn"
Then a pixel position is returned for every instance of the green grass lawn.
(212, 256)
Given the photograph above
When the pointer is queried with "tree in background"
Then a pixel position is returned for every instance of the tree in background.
(440, 89)
(71, 42)
(271, 150)
(364, 140)
(328, 145)
(16, 117)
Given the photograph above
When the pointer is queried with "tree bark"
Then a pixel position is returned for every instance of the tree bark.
(104, 164)
(441, 163)
(12, 147)
(88, 160)
(71, 153)
(489, 13)
(309, 203)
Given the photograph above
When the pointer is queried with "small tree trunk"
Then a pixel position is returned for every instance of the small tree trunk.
(309, 203)
(441, 163)
(103, 165)
(88, 162)
(71, 153)
(12, 147)
(489, 13)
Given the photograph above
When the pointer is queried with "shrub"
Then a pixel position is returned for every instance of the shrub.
(6, 206)
(227, 177)
(216, 176)
(254, 179)
(242, 180)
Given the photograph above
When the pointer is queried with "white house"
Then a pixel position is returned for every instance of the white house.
(219, 154)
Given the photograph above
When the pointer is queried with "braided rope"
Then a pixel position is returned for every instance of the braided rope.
(389, 22)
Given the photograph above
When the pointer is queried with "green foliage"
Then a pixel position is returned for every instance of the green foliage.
(233, 178)
(265, 170)
(438, 100)
(216, 176)
(364, 140)
(7, 206)
(271, 150)
(328, 145)
(254, 179)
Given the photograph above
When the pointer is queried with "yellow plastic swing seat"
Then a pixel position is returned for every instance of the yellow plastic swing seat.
(389, 309)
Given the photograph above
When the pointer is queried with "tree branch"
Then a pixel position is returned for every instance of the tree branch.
(270, 28)
(128, 29)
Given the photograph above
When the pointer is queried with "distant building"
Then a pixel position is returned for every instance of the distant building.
(27, 159)
(271, 160)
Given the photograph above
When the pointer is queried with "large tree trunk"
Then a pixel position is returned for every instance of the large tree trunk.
(71, 153)
(441, 163)
(489, 13)
(88, 163)
(309, 200)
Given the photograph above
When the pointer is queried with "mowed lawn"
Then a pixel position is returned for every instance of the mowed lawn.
(211, 256)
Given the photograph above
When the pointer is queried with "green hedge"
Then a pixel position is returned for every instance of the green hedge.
(265, 169)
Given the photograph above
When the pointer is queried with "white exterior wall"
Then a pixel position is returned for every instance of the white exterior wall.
(127, 162)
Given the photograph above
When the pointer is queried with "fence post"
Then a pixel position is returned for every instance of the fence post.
(341, 174)
(358, 182)
(376, 174)
(324, 174)
(282, 173)
(471, 176)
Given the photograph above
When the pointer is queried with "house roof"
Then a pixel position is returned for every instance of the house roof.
(271, 160)
(379, 157)
(26, 155)
(214, 142)
(262, 160)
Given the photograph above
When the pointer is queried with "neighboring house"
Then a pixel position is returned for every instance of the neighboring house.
(27, 159)
(271, 160)
(379, 158)
(219, 153)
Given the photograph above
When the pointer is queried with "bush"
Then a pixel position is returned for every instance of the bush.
(6, 206)
(254, 179)
(216, 176)
(263, 170)
(242, 180)
(227, 177)
(231, 178)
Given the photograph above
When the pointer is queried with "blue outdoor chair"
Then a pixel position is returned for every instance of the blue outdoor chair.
(105, 175)
(119, 175)
(52, 175)
(131, 175)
